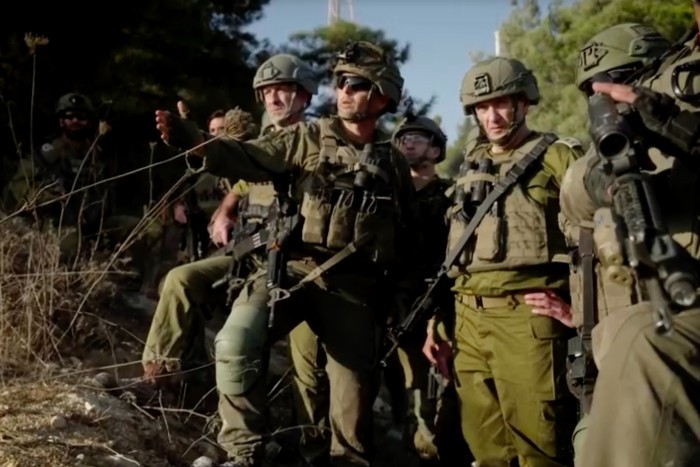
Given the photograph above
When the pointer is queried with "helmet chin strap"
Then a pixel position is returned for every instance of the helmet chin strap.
(288, 113)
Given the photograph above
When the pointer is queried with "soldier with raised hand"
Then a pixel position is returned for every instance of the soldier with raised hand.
(645, 410)
(350, 205)
(620, 52)
(175, 343)
(509, 362)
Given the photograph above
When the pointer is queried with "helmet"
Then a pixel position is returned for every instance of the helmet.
(427, 125)
(497, 77)
(627, 45)
(285, 68)
(371, 62)
(74, 102)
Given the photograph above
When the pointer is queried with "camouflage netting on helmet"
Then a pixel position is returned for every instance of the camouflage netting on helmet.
(372, 63)
(240, 125)
(628, 45)
(497, 77)
(424, 125)
(285, 68)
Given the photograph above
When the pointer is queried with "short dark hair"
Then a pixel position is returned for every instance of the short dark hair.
(216, 114)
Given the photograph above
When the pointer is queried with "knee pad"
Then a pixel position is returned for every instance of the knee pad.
(239, 362)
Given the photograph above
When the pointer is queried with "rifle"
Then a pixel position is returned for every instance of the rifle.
(665, 273)
(424, 306)
(196, 241)
(582, 370)
(282, 222)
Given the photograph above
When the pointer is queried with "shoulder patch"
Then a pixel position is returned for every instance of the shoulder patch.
(46, 148)
(573, 143)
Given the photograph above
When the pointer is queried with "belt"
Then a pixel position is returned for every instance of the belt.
(482, 303)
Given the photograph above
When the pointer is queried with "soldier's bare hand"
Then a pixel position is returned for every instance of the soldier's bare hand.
(221, 225)
(618, 92)
(438, 353)
(180, 213)
(548, 303)
(182, 109)
(164, 124)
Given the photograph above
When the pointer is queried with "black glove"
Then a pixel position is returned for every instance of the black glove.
(183, 133)
(660, 114)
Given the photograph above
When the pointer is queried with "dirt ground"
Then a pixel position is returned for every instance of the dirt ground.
(56, 416)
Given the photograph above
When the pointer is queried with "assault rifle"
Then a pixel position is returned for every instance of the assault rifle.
(283, 219)
(665, 273)
(196, 238)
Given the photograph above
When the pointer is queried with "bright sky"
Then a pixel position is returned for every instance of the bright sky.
(442, 33)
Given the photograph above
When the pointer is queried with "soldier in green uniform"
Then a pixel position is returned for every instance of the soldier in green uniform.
(77, 158)
(645, 407)
(509, 363)
(434, 430)
(285, 85)
(619, 51)
(355, 200)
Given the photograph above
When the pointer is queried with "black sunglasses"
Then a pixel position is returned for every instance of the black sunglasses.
(355, 83)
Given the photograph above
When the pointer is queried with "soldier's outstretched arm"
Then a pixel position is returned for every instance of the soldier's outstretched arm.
(258, 159)
(254, 160)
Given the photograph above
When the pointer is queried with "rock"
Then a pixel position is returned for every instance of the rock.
(203, 461)
(104, 380)
(58, 422)
(89, 408)
(117, 460)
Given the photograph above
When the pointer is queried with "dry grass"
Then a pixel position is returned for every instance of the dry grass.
(39, 299)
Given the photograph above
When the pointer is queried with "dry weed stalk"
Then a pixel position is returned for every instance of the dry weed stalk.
(39, 296)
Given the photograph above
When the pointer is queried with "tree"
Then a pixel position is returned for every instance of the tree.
(549, 44)
(468, 132)
(319, 47)
(138, 55)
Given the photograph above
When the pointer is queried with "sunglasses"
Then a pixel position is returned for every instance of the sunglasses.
(413, 139)
(355, 83)
(74, 116)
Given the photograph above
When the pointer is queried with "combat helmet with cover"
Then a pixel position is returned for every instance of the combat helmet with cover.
(284, 68)
(621, 49)
(497, 77)
(370, 62)
(424, 125)
(74, 102)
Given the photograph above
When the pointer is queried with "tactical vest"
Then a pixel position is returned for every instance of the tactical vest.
(351, 195)
(58, 163)
(518, 231)
(679, 72)
(610, 296)
(255, 206)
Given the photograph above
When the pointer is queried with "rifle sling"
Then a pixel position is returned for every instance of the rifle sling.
(334, 260)
(517, 171)
(586, 252)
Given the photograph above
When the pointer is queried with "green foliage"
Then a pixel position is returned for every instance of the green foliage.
(139, 55)
(549, 43)
(449, 168)
(319, 47)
